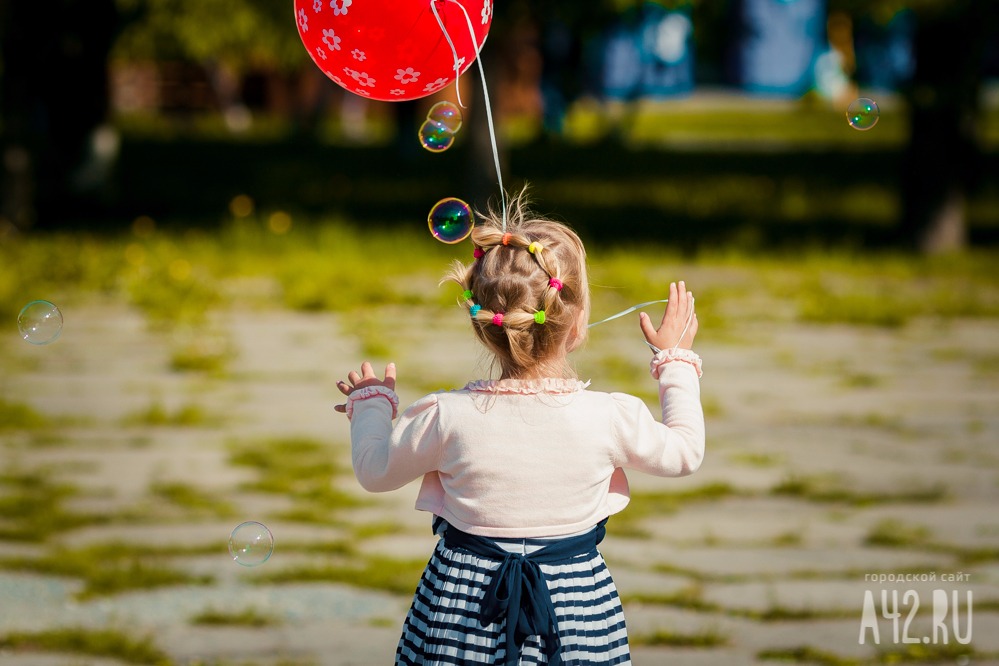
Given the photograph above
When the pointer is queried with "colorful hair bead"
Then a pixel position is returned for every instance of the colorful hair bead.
(478, 253)
(474, 310)
(467, 294)
(535, 247)
(555, 284)
(498, 318)
(539, 317)
(506, 238)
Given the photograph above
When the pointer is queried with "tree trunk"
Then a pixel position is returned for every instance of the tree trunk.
(942, 159)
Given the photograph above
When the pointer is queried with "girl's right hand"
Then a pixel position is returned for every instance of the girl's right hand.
(679, 324)
(365, 379)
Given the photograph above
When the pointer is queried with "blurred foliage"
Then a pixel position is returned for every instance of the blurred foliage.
(240, 34)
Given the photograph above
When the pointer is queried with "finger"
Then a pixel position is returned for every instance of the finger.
(367, 371)
(390, 376)
(353, 377)
(340, 408)
(344, 388)
(671, 304)
(648, 330)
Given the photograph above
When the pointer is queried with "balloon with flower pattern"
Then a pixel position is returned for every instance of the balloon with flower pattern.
(393, 50)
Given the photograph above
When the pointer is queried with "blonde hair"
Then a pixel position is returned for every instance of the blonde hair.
(526, 291)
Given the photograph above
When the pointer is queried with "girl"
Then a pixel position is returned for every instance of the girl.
(521, 472)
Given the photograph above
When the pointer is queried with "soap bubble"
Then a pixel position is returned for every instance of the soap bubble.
(435, 137)
(451, 220)
(447, 115)
(251, 543)
(863, 113)
(40, 322)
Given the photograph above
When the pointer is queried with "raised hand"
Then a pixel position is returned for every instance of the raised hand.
(679, 323)
(365, 379)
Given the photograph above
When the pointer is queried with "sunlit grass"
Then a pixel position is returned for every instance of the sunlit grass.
(31, 506)
(828, 489)
(248, 617)
(114, 567)
(302, 470)
(104, 643)
(377, 572)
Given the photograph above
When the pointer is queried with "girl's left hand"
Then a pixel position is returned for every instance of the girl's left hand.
(365, 379)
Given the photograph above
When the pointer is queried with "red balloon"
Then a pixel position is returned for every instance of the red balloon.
(392, 50)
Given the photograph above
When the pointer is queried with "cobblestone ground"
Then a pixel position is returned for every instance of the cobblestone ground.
(852, 472)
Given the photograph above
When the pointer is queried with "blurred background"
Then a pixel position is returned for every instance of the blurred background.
(688, 121)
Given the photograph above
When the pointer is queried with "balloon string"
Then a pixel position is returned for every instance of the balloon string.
(624, 312)
(686, 326)
(485, 97)
(454, 51)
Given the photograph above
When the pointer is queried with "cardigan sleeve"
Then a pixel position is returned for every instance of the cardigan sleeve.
(385, 457)
(673, 447)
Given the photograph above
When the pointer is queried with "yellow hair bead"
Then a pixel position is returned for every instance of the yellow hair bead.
(535, 247)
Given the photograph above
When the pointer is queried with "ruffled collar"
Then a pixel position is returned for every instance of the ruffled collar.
(549, 385)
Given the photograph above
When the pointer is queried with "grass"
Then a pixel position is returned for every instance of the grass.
(190, 415)
(650, 504)
(248, 617)
(300, 469)
(376, 572)
(705, 638)
(113, 567)
(31, 506)
(104, 643)
(825, 489)
(909, 654)
(19, 416)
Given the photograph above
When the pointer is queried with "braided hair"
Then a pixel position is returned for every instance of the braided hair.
(526, 291)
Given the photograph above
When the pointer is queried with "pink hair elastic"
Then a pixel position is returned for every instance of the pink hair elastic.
(506, 238)
(478, 253)
(555, 283)
(498, 319)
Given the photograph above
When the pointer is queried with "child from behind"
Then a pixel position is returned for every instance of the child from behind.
(522, 472)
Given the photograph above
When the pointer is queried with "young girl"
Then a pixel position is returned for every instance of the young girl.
(521, 472)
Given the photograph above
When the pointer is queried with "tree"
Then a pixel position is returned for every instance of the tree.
(939, 164)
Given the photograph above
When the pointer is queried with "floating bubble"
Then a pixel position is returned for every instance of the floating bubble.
(435, 137)
(251, 543)
(451, 220)
(40, 322)
(446, 114)
(863, 113)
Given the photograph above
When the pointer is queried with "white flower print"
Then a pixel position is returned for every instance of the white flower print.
(365, 80)
(317, 6)
(352, 73)
(397, 91)
(487, 11)
(330, 39)
(320, 52)
(435, 85)
(362, 91)
(340, 8)
(303, 20)
(408, 75)
(457, 66)
(358, 54)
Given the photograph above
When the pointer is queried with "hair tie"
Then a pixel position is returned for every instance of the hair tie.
(478, 253)
(474, 310)
(535, 247)
(539, 317)
(555, 284)
(506, 238)
(467, 294)
(498, 319)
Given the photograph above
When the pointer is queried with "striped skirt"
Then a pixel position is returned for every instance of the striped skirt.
(442, 626)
